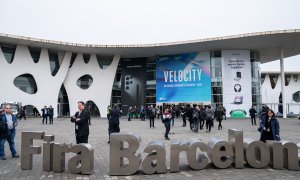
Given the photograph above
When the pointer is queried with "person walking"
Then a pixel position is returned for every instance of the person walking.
(114, 121)
(45, 114)
(167, 122)
(219, 113)
(173, 113)
(252, 113)
(143, 113)
(269, 128)
(22, 113)
(183, 114)
(130, 113)
(190, 111)
(108, 112)
(8, 123)
(196, 119)
(202, 117)
(51, 113)
(151, 116)
(224, 110)
(209, 118)
(81, 120)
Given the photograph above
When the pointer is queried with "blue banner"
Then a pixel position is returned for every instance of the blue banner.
(183, 78)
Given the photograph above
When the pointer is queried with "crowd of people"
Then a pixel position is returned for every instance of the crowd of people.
(199, 117)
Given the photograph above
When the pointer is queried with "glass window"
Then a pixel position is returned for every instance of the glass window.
(54, 62)
(26, 83)
(8, 52)
(104, 61)
(85, 81)
(216, 90)
(86, 58)
(273, 80)
(73, 57)
(35, 53)
(296, 96)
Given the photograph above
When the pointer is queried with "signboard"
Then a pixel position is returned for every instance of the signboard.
(183, 78)
(236, 77)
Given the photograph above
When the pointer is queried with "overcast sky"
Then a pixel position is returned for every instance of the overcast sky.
(147, 21)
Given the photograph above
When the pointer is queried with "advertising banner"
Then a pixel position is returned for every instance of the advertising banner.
(133, 83)
(236, 77)
(183, 78)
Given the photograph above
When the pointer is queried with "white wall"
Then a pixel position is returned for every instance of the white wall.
(48, 86)
(271, 96)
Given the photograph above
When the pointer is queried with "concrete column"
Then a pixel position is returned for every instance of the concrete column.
(282, 82)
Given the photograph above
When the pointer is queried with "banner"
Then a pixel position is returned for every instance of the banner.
(236, 77)
(183, 78)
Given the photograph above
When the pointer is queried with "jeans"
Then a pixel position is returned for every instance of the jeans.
(253, 120)
(50, 120)
(11, 141)
(196, 124)
(45, 118)
(168, 128)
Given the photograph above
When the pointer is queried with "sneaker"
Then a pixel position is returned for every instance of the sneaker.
(3, 158)
(16, 156)
(167, 138)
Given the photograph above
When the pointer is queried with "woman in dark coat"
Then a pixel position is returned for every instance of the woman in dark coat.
(269, 128)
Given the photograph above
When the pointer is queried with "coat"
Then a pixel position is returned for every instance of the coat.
(4, 127)
(82, 123)
(275, 128)
(115, 116)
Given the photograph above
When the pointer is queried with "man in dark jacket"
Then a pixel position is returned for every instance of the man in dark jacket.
(114, 121)
(45, 114)
(252, 113)
(219, 113)
(8, 123)
(51, 113)
(81, 120)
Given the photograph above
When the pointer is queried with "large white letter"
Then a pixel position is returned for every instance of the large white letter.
(118, 153)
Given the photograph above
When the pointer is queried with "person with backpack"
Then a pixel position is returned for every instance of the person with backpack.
(166, 119)
(202, 117)
(196, 119)
(152, 116)
(219, 113)
(143, 113)
(209, 118)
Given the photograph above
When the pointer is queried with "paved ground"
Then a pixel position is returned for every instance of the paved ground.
(64, 132)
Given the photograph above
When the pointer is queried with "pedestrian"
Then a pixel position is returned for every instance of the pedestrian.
(224, 110)
(219, 113)
(202, 117)
(8, 123)
(22, 113)
(51, 113)
(130, 112)
(81, 119)
(173, 113)
(152, 116)
(183, 114)
(196, 119)
(167, 122)
(252, 113)
(45, 114)
(114, 121)
(108, 112)
(158, 112)
(190, 111)
(269, 128)
(209, 118)
(143, 113)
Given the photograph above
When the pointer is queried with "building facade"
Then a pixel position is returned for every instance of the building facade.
(222, 71)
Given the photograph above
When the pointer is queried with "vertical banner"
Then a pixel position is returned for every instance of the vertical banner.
(236, 76)
(183, 78)
(133, 83)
